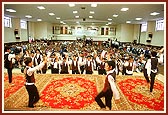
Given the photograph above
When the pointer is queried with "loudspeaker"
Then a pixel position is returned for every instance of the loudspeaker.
(84, 19)
(16, 32)
(150, 35)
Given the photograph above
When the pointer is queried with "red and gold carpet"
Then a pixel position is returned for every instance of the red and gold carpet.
(77, 92)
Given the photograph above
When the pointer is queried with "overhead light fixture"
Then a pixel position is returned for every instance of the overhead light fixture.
(138, 18)
(77, 22)
(109, 22)
(124, 9)
(154, 13)
(71, 4)
(128, 22)
(93, 5)
(51, 14)
(10, 10)
(90, 16)
(92, 12)
(115, 15)
(58, 18)
(61, 22)
(75, 12)
(39, 20)
(109, 19)
(76, 16)
(40, 7)
(28, 16)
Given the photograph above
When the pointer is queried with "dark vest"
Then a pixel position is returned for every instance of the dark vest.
(8, 64)
(64, 68)
(73, 66)
(107, 84)
(102, 65)
(38, 59)
(129, 67)
(154, 62)
(88, 68)
(29, 79)
(57, 64)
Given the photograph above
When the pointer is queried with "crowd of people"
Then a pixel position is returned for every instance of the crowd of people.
(78, 57)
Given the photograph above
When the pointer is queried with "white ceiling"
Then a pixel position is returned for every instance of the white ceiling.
(103, 11)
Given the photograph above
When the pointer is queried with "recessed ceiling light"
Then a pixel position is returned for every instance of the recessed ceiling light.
(10, 10)
(75, 11)
(90, 16)
(71, 4)
(92, 12)
(58, 18)
(40, 7)
(109, 22)
(154, 13)
(115, 15)
(124, 9)
(39, 20)
(93, 5)
(76, 16)
(61, 22)
(138, 18)
(51, 14)
(77, 22)
(109, 19)
(128, 22)
(28, 16)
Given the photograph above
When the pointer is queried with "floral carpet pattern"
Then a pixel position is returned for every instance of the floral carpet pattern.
(77, 92)
(18, 82)
(137, 92)
(71, 93)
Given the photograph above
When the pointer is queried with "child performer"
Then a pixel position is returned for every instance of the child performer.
(30, 80)
(109, 87)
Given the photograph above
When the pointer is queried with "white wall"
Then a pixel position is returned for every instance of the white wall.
(40, 30)
(158, 37)
(127, 32)
(124, 33)
(9, 32)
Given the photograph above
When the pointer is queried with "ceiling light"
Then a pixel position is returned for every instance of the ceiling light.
(77, 22)
(39, 20)
(64, 23)
(10, 10)
(109, 19)
(28, 16)
(94, 5)
(61, 22)
(40, 7)
(71, 4)
(115, 15)
(124, 9)
(92, 12)
(75, 11)
(138, 18)
(109, 22)
(154, 13)
(128, 22)
(51, 14)
(76, 16)
(58, 18)
(90, 16)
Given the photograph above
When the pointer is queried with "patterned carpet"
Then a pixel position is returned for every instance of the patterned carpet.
(77, 92)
